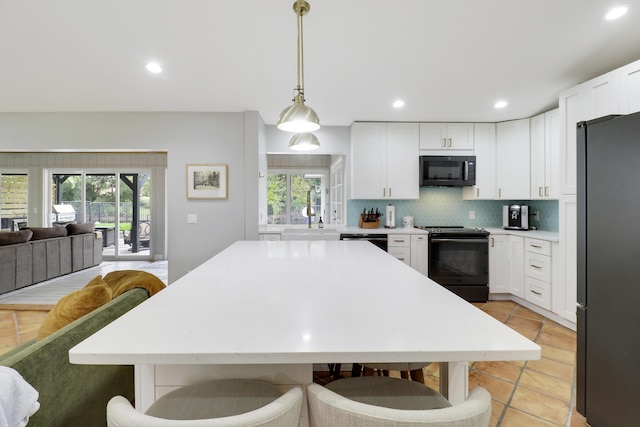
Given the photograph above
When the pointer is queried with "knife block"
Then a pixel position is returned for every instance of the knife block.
(363, 224)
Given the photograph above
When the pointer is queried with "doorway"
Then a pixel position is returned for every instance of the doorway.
(119, 202)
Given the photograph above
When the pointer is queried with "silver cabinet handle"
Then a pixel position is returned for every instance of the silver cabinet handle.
(537, 267)
(449, 142)
(536, 246)
(389, 191)
(444, 142)
(477, 192)
(499, 192)
(546, 191)
(384, 192)
(492, 242)
(540, 191)
(536, 292)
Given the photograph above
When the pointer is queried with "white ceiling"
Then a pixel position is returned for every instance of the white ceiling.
(450, 60)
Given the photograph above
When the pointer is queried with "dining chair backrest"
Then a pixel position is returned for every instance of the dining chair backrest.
(330, 409)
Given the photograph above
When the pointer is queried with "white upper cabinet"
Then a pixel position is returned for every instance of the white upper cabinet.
(384, 161)
(512, 160)
(572, 106)
(629, 88)
(485, 152)
(446, 136)
(602, 96)
(545, 156)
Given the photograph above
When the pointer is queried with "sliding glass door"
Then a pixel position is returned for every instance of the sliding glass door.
(119, 202)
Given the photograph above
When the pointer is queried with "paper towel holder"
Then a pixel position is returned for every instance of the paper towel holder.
(390, 221)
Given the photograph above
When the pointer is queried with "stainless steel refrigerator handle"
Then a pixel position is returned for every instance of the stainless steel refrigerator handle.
(460, 240)
(466, 170)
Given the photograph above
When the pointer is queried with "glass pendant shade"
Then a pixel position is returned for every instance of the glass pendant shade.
(304, 142)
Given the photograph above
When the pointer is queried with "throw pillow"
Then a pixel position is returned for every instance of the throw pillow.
(40, 233)
(75, 305)
(13, 237)
(87, 227)
(123, 280)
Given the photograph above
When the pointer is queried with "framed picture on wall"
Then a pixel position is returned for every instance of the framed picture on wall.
(207, 181)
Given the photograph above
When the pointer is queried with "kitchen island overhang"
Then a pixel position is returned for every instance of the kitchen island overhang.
(274, 304)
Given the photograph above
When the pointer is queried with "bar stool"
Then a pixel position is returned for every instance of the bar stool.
(228, 403)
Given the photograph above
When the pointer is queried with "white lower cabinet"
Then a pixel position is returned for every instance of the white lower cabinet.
(399, 245)
(538, 272)
(420, 253)
(506, 265)
(498, 264)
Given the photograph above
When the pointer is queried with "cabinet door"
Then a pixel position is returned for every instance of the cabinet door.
(402, 155)
(552, 151)
(433, 136)
(420, 254)
(516, 264)
(512, 159)
(498, 264)
(572, 110)
(484, 136)
(538, 156)
(368, 160)
(602, 96)
(460, 136)
(629, 88)
(446, 136)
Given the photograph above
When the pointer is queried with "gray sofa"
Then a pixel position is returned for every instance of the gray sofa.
(74, 395)
(29, 256)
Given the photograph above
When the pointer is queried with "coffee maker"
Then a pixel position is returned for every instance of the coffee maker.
(515, 217)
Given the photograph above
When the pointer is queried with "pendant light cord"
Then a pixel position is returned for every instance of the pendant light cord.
(299, 13)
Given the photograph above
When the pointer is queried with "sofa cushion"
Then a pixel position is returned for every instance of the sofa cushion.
(87, 227)
(13, 237)
(121, 281)
(75, 305)
(40, 233)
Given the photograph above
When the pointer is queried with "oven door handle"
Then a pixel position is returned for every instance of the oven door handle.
(481, 240)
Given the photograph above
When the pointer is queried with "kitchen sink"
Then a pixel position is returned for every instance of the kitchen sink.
(310, 234)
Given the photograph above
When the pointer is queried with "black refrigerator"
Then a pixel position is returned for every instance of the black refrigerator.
(608, 201)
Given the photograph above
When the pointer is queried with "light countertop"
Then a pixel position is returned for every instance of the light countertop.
(273, 302)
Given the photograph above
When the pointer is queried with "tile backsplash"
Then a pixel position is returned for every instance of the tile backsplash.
(444, 206)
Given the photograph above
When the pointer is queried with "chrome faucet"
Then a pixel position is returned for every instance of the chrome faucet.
(309, 214)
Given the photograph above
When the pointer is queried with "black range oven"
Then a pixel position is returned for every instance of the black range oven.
(459, 260)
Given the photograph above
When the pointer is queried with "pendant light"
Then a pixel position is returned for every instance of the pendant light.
(304, 142)
(298, 117)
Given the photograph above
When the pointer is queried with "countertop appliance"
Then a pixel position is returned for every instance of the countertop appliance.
(447, 171)
(390, 221)
(608, 350)
(458, 259)
(515, 217)
(380, 240)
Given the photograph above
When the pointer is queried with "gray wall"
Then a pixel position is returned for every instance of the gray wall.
(188, 138)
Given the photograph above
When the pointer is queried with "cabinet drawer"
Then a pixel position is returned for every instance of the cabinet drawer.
(538, 292)
(402, 253)
(399, 240)
(542, 247)
(538, 266)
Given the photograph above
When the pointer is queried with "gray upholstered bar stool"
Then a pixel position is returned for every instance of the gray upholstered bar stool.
(228, 403)
(390, 402)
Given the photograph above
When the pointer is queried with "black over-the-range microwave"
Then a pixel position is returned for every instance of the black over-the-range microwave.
(447, 171)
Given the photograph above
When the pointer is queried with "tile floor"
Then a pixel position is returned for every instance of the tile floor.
(536, 393)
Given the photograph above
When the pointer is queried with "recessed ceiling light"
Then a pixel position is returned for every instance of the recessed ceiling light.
(398, 104)
(500, 104)
(154, 67)
(616, 13)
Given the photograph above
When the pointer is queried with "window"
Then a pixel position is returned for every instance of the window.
(14, 190)
(287, 192)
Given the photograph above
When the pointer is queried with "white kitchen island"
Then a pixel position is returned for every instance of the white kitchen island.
(271, 309)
